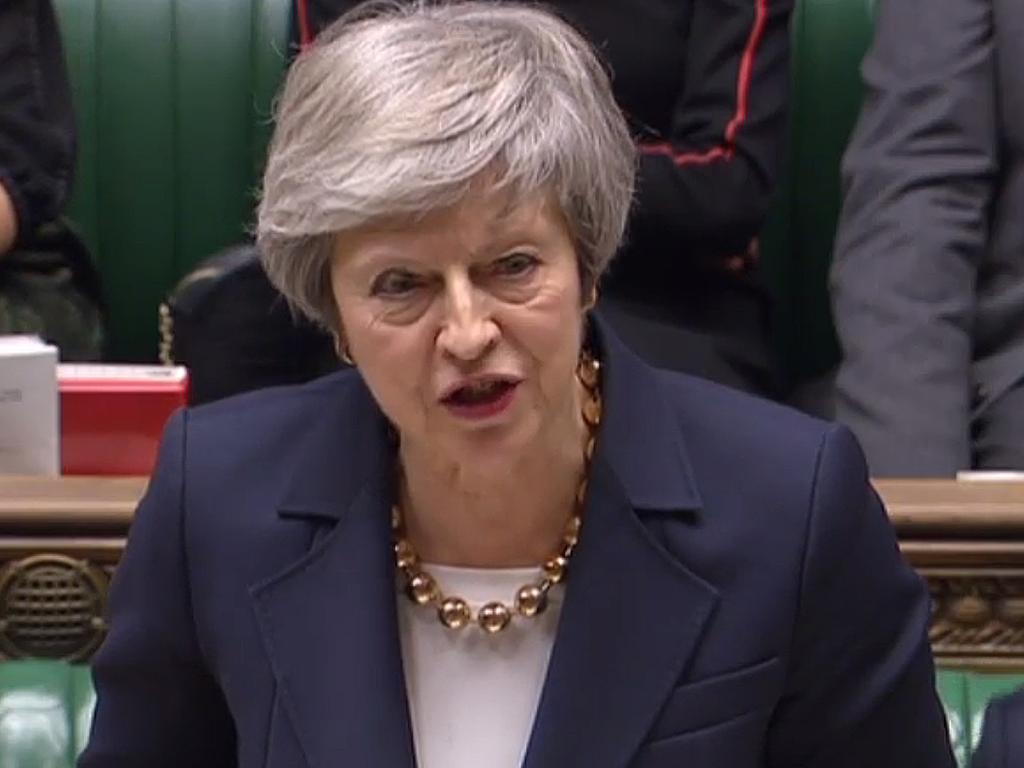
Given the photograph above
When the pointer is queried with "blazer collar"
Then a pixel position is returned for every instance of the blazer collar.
(632, 618)
(640, 440)
(349, 445)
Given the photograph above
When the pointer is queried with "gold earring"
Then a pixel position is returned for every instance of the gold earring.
(342, 349)
(593, 299)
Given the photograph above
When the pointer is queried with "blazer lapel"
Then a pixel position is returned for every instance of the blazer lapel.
(631, 619)
(633, 615)
(329, 622)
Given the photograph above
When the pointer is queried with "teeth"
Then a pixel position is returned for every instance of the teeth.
(478, 390)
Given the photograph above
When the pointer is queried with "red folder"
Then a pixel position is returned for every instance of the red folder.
(112, 416)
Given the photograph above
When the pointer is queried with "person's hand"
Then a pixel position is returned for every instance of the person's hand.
(8, 222)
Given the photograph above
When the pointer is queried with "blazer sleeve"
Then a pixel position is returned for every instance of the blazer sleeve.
(37, 131)
(157, 704)
(919, 178)
(861, 684)
(709, 182)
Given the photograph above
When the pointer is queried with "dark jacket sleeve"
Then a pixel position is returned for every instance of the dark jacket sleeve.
(989, 753)
(37, 133)
(861, 686)
(709, 182)
(157, 705)
(1002, 735)
(920, 176)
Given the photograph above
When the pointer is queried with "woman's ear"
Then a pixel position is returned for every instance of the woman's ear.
(341, 347)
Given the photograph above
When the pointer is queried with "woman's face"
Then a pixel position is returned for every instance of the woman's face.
(466, 324)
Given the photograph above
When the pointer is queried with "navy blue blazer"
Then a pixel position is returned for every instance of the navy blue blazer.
(736, 600)
(1002, 736)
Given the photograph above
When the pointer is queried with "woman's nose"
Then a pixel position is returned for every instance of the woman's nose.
(468, 330)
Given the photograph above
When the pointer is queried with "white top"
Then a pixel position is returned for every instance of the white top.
(473, 696)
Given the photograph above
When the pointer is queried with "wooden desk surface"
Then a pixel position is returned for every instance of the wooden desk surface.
(967, 508)
(93, 503)
(917, 507)
(965, 538)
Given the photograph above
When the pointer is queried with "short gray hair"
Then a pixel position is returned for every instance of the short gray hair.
(396, 110)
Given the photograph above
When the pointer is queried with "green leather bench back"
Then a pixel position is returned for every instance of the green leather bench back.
(830, 38)
(46, 707)
(45, 711)
(173, 99)
(173, 102)
(965, 696)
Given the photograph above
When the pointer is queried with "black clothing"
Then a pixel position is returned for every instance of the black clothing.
(49, 285)
(37, 132)
(235, 332)
(1002, 735)
(705, 85)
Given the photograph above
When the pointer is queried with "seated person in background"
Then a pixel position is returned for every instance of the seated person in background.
(705, 85)
(502, 539)
(48, 285)
(235, 332)
(928, 278)
(1002, 736)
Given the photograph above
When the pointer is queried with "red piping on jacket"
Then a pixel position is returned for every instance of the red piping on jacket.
(727, 148)
(305, 33)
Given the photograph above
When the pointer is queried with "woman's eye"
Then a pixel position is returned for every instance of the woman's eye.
(395, 283)
(516, 264)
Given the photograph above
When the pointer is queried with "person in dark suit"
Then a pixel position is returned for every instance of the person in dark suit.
(501, 539)
(928, 279)
(705, 87)
(1002, 735)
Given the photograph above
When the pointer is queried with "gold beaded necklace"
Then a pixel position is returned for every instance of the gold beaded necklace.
(530, 599)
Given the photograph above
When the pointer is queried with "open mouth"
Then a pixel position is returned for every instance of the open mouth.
(480, 393)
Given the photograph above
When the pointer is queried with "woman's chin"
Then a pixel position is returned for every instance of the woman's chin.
(498, 439)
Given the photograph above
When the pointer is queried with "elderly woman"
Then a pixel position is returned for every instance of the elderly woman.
(502, 539)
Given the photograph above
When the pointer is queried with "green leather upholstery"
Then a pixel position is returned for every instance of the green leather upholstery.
(965, 696)
(830, 38)
(45, 711)
(46, 708)
(173, 99)
(173, 102)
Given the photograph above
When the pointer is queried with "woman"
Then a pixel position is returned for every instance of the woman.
(705, 86)
(502, 539)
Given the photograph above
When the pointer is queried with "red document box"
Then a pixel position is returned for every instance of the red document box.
(112, 416)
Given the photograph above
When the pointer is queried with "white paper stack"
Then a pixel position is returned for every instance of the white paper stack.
(29, 410)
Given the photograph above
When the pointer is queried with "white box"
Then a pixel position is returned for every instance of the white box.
(29, 407)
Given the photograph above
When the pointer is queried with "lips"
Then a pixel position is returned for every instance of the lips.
(478, 393)
(481, 396)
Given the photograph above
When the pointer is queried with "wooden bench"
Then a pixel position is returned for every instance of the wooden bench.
(60, 539)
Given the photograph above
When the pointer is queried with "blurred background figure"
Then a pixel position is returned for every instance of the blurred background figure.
(48, 284)
(928, 277)
(1002, 736)
(705, 84)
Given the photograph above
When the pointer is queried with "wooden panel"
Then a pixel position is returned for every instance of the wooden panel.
(60, 540)
(965, 538)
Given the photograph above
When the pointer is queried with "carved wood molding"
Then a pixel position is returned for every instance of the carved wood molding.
(61, 538)
(967, 540)
(978, 614)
